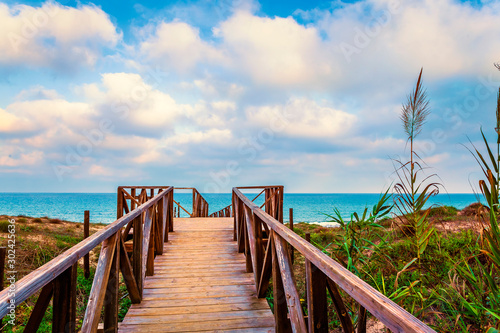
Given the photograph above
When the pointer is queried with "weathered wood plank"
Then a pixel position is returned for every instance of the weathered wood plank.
(194, 317)
(158, 294)
(249, 305)
(111, 305)
(97, 293)
(137, 253)
(198, 284)
(86, 234)
(195, 301)
(128, 275)
(291, 294)
(317, 305)
(40, 307)
(201, 326)
(279, 297)
(64, 303)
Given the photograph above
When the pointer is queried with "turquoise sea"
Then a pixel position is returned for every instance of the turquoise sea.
(307, 207)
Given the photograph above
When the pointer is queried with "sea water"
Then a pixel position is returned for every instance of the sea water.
(307, 207)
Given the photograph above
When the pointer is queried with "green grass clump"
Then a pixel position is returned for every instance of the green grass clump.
(443, 211)
(65, 241)
(4, 226)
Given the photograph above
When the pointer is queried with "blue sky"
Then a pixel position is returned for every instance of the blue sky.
(216, 94)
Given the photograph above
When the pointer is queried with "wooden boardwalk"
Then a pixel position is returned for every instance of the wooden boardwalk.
(200, 285)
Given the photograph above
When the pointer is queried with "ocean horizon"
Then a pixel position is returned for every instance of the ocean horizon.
(307, 207)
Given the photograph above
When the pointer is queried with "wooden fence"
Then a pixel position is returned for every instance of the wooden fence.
(224, 212)
(265, 241)
(200, 205)
(147, 220)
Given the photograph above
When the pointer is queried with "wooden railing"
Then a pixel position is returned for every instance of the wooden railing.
(224, 212)
(200, 205)
(148, 219)
(265, 241)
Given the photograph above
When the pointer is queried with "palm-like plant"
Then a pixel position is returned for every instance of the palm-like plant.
(480, 295)
(412, 193)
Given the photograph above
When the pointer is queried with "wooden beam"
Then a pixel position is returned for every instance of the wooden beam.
(291, 294)
(86, 234)
(40, 308)
(340, 308)
(98, 291)
(266, 271)
(119, 202)
(64, 304)
(280, 310)
(112, 303)
(317, 305)
(36, 280)
(146, 241)
(361, 320)
(137, 253)
(128, 275)
(3, 251)
(389, 313)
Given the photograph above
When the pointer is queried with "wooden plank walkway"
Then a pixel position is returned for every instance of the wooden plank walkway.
(200, 285)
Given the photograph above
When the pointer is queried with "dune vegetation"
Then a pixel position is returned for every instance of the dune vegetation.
(440, 264)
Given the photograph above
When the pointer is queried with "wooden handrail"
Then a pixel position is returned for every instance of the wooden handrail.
(252, 223)
(224, 212)
(153, 218)
(184, 209)
(200, 205)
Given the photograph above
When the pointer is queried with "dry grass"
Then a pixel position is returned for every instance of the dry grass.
(39, 240)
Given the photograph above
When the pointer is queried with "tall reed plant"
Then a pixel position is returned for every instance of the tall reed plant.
(479, 294)
(413, 189)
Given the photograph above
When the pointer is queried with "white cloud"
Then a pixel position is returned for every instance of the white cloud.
(178, 46)
(446, 37)
(303, 118)
(54, 35)
(276, 51)
(10, 157)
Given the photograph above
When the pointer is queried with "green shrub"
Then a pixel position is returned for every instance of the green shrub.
(443, 211)
(4, 226)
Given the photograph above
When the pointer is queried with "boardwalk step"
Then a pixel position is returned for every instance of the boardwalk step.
(200, 285)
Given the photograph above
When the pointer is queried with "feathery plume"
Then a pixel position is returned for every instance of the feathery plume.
(416, 110)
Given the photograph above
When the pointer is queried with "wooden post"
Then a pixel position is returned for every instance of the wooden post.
(171, 209)
(281, 319)
(86, 233)
(132, 202)
(119, 203)
(137, 253)
(160, 224)
(361, 319)
(317, 306)
(64, 303)
(233, 201)
(194, 204)
(111, 303)
(291, 228)
(3, 251)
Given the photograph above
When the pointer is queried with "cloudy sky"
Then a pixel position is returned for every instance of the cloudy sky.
(216, 94)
